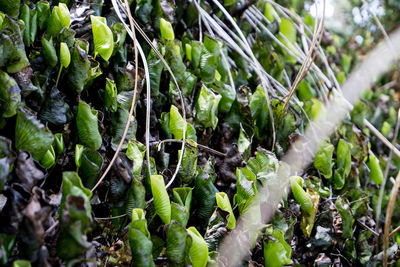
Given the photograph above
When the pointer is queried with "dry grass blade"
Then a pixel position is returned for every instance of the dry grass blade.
(318, 31)
(132, 105)
(388, 219)
(258, 68)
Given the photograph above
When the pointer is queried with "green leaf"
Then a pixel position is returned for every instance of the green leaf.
(308, 218)
(386, 129)
(288, 30)
(303, 198)
(110, 95)
(10, 95)
(179, 214)
(91, 163)
(2, 15)
(141, 247)
(178, 244)
(246, 188)
(199, 250)
(228, 95)
(49, 158)
(269, 12)
(343, 207)
(59, 19)
(167, 32)
(49, 52)
(346, 63)
(78, 72)
(29, 17)
(276, 251)
(207, 108)
(189, 163)
(323, 159)
(75, 218)
(87, 125)
(209, 59)
(135, 152)
(31, 135)
(183, 196)
(136, 197)
(72, 185)
(161, 198)
(259, 112)
(102, 37)
(12, 49)
(174, 59)
(139, 239)
(65, 56)
(223, 202)
(43, 13)
(78, 155)
(118, 121)
(343, 163)
(176, 123)
(204, 194)
(375, 171)
(21, 263)
(10, 7)
(59, 141)
(155, 69)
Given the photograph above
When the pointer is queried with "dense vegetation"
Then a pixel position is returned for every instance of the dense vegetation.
(215, 94)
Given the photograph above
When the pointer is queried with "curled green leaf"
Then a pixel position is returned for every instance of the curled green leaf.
(276, 251)
(110, 96)
(375, 171)
(49, 158)
(49, 52)
(303, 198)
(167, 32)
(176, 123)
(78, 155)
(199, 250)
(31, 135)
(10, 7)
(102, 37)
(59, 19)
(59, 141)
(223, 202)
(10, 95)
(161, 199)
(323, 159)
(43, 13)
(207, 108)
(65, 56)
(88, 129)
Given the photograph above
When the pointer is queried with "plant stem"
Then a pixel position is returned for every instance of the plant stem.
(59, 74)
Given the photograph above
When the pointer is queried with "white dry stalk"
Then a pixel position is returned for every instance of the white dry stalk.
(377, 63)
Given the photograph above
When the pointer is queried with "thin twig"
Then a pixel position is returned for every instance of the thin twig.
(367, 227)
(394, 232)
(206, 148)
(318, 31)
(110, 218)
(381, 137)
